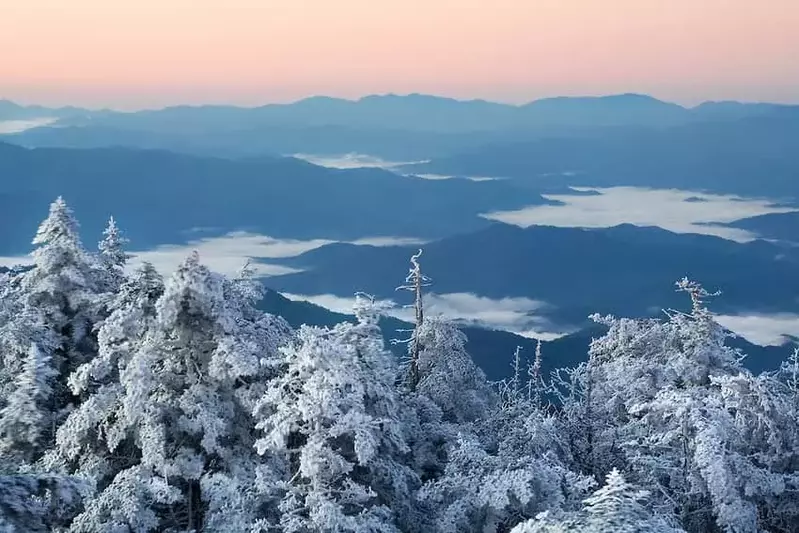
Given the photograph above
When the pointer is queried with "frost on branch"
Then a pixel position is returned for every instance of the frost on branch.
(415, 282)
(333, 417)
(36, 502)
(113, 257)
(616, 507)
(670, 403)
(50, 312)
(166, 433)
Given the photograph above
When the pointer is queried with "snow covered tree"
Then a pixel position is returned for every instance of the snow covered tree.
(445, 388)
(166, 432)
(62, 285)
(506, 465)
(27, 377)
(113, 257)
(25, 417)
(334, 419)
(48, 334)
(671, 404)
(536, 386)
(448, 375)
(490, 485)
(616, 507)
(415, 282)
(93, 441)
(34, 502)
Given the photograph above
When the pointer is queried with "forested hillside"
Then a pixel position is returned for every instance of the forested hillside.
(134, 403)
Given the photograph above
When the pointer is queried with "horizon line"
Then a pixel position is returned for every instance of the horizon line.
(396, 95)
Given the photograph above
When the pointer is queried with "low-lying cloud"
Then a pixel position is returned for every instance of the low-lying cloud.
(228, 253)
(764, 330)
(452, 176)
(18, 126)
(517, 315)
(671, 209)
(352, 160)
(355, 160)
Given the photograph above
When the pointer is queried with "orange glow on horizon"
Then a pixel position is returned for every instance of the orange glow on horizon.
(150, 53)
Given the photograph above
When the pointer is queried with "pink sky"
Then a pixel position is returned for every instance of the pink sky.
(151, 53)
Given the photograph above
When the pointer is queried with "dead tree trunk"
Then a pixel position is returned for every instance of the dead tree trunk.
(415, 282)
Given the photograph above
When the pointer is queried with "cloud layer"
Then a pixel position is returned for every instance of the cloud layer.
(517, 315)
(764, 330)
(352, 160)
(228, 253)
(675, 210)
(17, 126)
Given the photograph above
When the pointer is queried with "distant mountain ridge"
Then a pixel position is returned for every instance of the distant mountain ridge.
(157, 195)
(624, 270)
(417, 112)
(13, 111)
(754, 156)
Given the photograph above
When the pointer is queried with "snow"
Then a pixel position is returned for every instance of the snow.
(134, 402)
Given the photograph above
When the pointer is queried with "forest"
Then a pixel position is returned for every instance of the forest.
(132, 402)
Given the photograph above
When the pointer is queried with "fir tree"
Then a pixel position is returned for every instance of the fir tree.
(334, 419)
(166, 433)
(113, 257)
(50, 333)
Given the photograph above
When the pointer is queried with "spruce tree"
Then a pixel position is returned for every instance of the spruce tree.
(49, 333)
(333, 417)
(166, 432)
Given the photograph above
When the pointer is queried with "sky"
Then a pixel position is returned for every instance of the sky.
(131, 54)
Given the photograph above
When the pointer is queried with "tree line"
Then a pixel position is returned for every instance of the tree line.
(134, 403)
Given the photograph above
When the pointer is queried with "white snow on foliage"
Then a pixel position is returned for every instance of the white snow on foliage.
(132, 402)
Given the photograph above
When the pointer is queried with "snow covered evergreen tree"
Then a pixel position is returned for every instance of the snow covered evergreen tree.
(54, 307)
(166, 432)
(672, 405)
(616, 507)
(507, 465)
(34, 502)
(113, 257)
(334, 420)
(445, 388)
(25, 417)
(448, 375)
(93, 442)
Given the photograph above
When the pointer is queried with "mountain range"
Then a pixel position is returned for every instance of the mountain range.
(624, 270)
(754, 156)
(165, 173)
(409, 112)
(158, 195)
(413, 126)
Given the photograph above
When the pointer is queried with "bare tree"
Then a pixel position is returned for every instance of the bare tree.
(415, 282)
